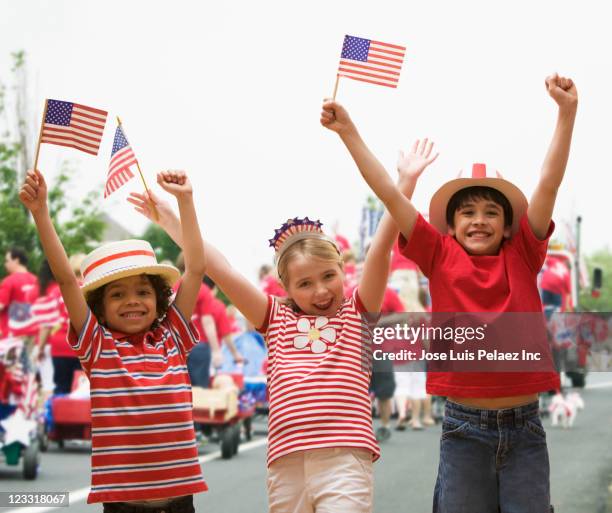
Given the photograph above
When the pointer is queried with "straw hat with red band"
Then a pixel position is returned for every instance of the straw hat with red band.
(121, 259)
(479, 178)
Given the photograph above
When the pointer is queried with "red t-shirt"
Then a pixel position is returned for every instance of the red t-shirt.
(271, 287)
(223, 323)
(399, 261)
(391, 302)
(202, 308)
(556, 276)
(459, 282)
(208, 304)
(16, 288)
(50, 311)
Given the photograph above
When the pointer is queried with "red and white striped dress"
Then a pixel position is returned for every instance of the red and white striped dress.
(318, 379)
(143, 442)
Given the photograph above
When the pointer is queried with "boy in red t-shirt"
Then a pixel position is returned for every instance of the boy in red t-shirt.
(482, 254)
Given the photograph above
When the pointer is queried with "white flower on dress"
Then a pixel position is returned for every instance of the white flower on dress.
(318, 336)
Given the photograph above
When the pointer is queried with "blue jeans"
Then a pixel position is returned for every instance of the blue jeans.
(492, 461)
(198, 365)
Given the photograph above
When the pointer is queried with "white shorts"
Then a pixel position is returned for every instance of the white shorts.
(410, 384)
(336, 480)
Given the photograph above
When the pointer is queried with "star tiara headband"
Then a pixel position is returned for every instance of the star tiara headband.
(294, 230)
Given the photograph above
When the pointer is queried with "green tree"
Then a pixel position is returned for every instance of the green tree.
(16, 228)
(603, 303)
(164, 246)
(78, 225)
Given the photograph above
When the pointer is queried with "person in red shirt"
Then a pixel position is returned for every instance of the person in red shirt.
(269, 283)
(223, 323)
(208, 349)
(482, 253)
(383, 382)
(17, 293)
(53, 330)
(555, 283)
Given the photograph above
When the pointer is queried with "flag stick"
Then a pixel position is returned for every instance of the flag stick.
(42, 124)
(151, 204)
(336, 87)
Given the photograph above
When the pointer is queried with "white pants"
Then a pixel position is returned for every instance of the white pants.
(410, 384)
(336, 480)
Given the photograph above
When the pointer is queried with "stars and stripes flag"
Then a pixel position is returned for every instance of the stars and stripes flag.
(122, 157)
(26, 319)
(73, 125)
(371, 61)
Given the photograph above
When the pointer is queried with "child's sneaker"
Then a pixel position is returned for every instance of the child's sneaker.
(383, 433)
(401, 424)
(201, 439)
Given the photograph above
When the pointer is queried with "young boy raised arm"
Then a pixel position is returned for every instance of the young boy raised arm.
(482, 250)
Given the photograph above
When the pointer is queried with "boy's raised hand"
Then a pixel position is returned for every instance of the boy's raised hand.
(414, 162)
(174, 182)
(562, 90)
(335, 117)
(33, 192)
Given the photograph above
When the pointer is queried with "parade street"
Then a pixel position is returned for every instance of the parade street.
(581, 467)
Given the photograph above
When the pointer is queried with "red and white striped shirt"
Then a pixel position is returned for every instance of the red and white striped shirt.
(143, 442)
(318, 378)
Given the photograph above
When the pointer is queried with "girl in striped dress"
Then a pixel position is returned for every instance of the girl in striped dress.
(321, 443)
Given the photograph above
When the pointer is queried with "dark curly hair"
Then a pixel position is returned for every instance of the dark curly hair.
(163, 293)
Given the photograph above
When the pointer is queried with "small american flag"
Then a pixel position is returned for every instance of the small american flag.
(73, 125)
(122, 157)
(371, 61)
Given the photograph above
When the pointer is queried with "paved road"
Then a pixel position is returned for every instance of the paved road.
(581, 462)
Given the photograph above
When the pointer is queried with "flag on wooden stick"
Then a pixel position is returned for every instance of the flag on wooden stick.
(122, 157)
(371, 61)
(73, 125)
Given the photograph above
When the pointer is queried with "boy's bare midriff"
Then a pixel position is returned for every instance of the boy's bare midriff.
(495, 403)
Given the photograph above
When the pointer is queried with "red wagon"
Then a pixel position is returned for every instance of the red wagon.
(220, 412)
(70, 415)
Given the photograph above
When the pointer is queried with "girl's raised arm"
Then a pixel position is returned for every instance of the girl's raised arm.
(252, 302)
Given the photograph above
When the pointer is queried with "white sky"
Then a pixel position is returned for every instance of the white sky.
(231, 92)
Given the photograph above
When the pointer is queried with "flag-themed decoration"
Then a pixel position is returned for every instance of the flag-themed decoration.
(26, 319)
(293, 227)
(73, 125)
(122, 157)
(371, 61)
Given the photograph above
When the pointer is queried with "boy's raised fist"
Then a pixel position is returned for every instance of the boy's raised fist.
(562, 90)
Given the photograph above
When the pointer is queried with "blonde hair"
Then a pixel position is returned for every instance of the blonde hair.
(310, 247)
